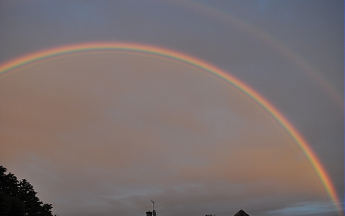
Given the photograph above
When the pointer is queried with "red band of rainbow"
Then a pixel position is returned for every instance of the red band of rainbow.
(6, 68)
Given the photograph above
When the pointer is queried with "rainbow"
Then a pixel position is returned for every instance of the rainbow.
(8, 68)
(270, 41)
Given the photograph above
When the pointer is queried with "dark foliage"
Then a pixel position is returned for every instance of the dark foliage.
(18, 198)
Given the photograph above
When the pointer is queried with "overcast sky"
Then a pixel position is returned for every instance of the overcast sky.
(105, 133)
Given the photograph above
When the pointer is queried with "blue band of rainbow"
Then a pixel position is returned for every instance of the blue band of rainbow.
(8, 68)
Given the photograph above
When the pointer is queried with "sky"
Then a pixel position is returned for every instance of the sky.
(106, 132)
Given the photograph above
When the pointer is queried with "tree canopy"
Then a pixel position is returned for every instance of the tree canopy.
(18, 198)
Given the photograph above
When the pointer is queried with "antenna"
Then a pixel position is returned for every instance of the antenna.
(153, 208)
(153, 205)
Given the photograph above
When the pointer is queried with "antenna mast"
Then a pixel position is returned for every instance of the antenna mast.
(153, 205)
(153, 208)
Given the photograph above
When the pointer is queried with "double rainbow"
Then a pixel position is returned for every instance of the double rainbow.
(8, 68)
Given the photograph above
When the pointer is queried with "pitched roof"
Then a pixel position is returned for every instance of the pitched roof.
(241, 213)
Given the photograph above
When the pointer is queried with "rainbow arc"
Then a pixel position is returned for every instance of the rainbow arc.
(9, 68)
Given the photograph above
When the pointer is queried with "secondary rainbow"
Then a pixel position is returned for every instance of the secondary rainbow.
(270, 41)
(8, 68)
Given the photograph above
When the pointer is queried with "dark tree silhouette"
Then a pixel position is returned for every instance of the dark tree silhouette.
(18, 198)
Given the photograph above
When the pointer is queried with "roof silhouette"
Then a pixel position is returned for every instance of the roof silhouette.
(241, 213)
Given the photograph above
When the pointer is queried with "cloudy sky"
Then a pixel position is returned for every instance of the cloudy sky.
(103, 133)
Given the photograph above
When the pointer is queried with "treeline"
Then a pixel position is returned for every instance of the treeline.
(18, 198)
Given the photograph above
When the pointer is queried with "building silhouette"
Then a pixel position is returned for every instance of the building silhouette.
(241, 213)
